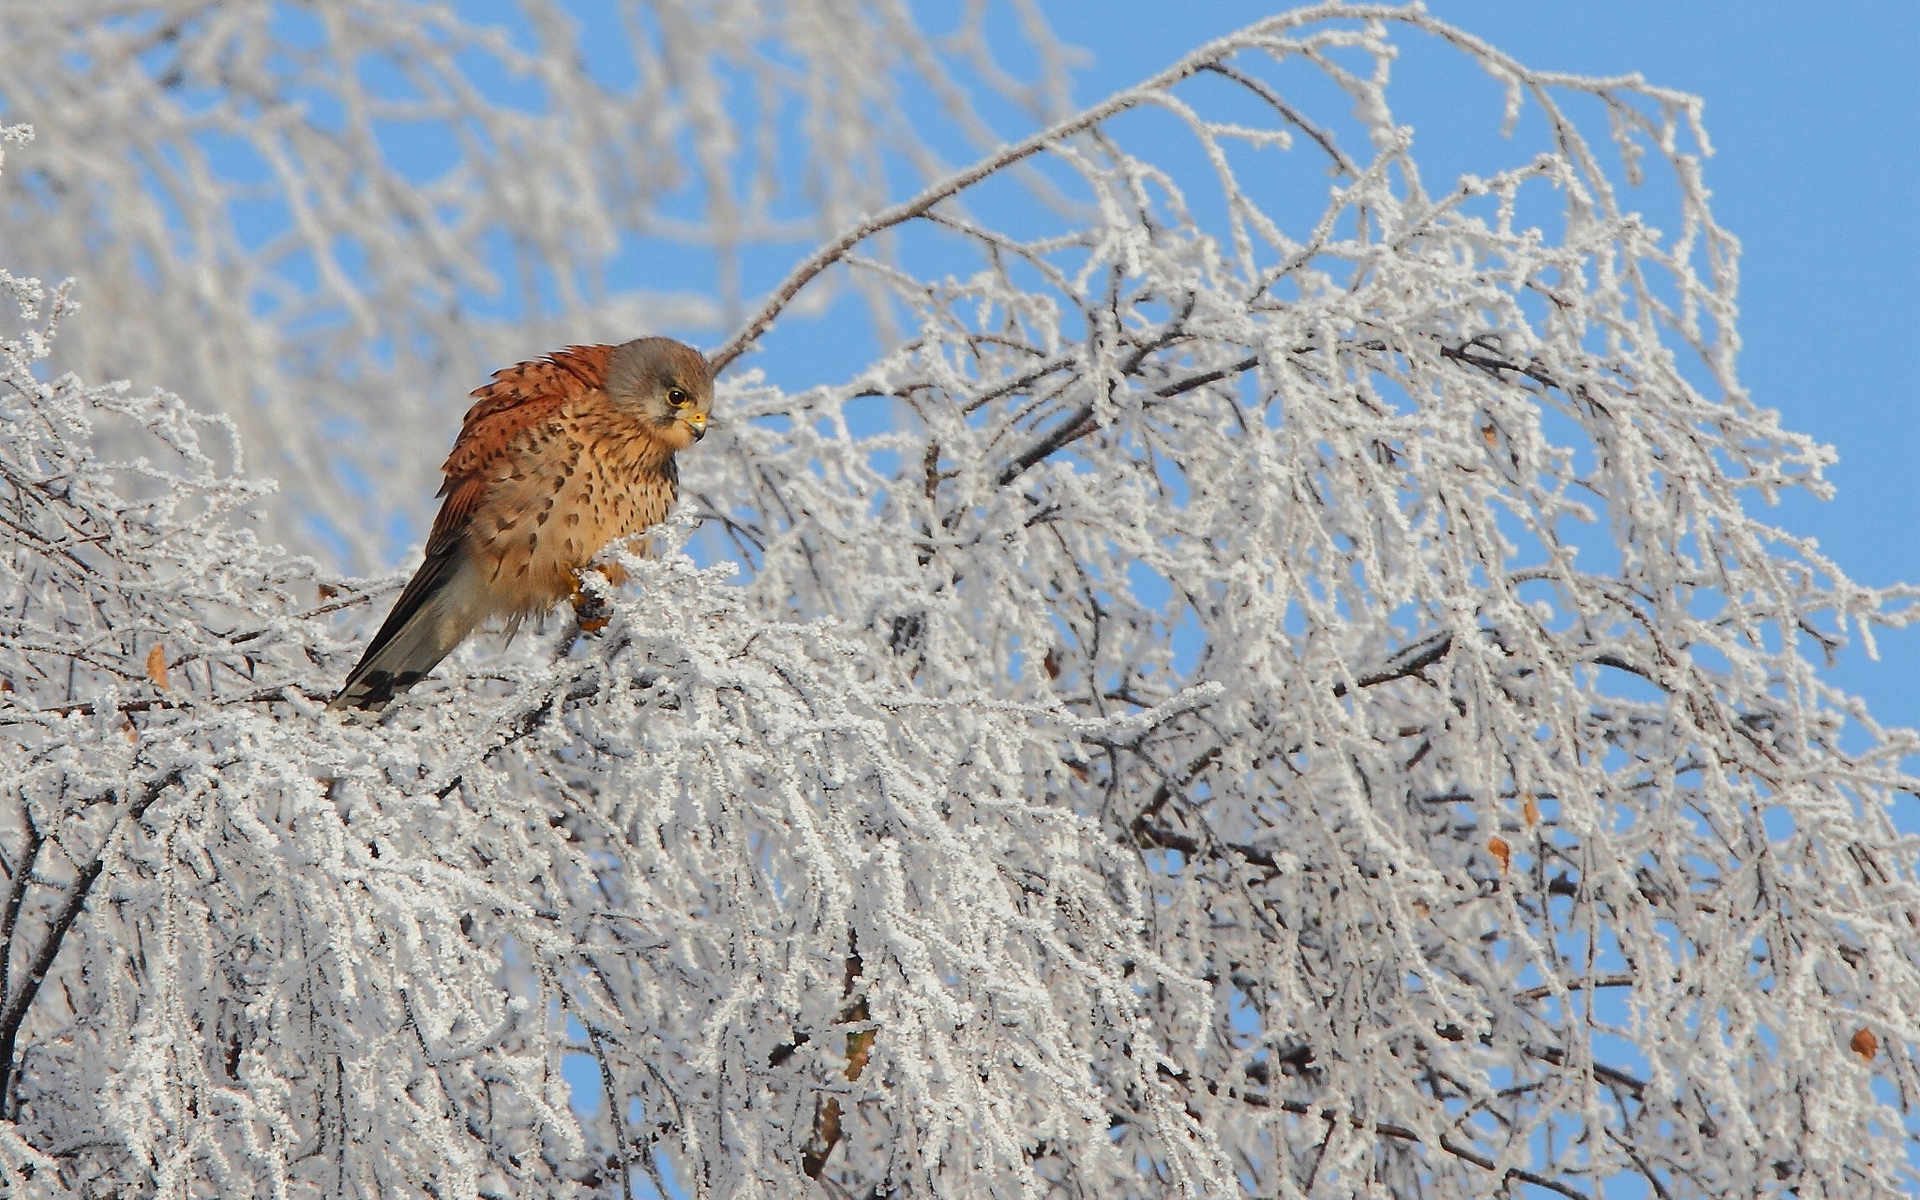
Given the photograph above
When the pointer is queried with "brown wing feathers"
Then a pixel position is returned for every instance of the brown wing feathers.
(518, 397)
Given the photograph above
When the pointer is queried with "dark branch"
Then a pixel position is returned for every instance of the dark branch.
(1611, 1075)
(1288, 114)
(16, 896)
(1410, 660)
(1081, 421)
(1402, 1133)
(1474, 355)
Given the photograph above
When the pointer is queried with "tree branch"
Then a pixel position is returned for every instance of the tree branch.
(1081, 422)
(1405, 662)
(15, 1011)
(1402, 1133)
(16, 896)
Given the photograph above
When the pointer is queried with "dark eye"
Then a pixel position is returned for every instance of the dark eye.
(678, 397)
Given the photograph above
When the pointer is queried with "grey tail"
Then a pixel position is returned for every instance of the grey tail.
(432, 616)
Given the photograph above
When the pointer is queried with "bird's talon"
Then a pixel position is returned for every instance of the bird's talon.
(588, 609)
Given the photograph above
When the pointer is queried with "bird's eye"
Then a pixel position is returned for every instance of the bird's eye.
(678, 397)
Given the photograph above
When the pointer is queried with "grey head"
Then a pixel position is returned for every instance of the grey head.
(665, 384)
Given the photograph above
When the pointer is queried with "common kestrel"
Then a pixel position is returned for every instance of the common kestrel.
(556, 458)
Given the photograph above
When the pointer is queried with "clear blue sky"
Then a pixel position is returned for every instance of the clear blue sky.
(1814, 111)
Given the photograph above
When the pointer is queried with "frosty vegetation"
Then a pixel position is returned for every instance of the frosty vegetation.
(1281, 705)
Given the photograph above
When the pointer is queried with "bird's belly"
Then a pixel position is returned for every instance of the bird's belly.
(535, 534)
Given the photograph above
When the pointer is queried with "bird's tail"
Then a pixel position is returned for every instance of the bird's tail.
(440, 607)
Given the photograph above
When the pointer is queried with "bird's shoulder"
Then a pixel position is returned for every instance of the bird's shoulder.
(520, 397)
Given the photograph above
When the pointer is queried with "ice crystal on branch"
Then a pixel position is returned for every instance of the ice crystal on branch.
(1291, 701)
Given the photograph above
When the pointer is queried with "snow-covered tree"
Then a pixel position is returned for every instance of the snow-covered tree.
(1267, 683)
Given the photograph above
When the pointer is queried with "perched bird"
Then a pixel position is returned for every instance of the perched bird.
(556, 458)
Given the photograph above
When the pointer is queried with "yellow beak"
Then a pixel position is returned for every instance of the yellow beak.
(698, 423)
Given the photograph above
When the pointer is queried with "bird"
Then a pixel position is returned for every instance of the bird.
(557, 457)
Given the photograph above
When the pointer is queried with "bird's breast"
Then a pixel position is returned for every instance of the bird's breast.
(564, 492)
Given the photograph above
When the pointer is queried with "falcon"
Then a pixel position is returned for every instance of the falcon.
(556, 458)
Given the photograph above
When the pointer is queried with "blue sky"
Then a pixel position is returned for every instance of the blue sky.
(1814, 111)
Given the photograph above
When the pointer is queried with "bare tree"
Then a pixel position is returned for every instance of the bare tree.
(1285, 707)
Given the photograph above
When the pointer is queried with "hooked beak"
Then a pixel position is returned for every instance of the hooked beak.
(698, 423)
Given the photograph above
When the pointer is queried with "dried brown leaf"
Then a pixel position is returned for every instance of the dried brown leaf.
(1865, 1044)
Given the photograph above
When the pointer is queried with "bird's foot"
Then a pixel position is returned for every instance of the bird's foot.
(592, 611)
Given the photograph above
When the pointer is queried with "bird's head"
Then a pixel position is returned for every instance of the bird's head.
(664, 384)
